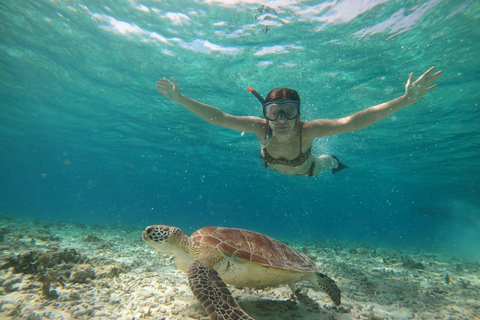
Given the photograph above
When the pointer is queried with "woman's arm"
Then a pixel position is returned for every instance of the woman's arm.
(171, 90)
(414, 91)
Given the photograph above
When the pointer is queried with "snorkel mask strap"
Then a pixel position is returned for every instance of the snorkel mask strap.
(262, 101)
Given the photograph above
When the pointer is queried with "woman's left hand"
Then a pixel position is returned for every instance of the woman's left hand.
(415, 90)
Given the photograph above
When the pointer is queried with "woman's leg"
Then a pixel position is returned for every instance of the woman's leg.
(325, 161)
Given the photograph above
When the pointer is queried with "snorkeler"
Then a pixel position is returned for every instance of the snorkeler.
(286, 140)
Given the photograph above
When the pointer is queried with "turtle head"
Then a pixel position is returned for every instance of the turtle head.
(163, 238)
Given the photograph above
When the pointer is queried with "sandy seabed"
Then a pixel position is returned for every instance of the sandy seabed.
(73, 271)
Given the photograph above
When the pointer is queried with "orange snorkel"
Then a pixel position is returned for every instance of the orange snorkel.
(257, 95)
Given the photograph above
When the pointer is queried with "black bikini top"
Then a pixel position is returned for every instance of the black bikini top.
(299, 160)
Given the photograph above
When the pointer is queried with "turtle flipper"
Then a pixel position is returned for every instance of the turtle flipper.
(213, 294)
(326, 284)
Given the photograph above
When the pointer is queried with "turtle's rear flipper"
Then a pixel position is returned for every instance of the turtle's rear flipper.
(326, 284)
(213, 294)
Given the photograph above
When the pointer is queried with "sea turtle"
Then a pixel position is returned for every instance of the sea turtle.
(213, 256)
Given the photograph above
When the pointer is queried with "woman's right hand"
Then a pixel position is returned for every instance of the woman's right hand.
(169, 89)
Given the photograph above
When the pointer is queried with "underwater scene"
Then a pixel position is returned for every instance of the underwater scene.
(106, 175)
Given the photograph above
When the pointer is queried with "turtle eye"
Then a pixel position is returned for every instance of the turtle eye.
(149, 230)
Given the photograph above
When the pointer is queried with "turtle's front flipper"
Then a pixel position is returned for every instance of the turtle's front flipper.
(213, 294)
(326, 284)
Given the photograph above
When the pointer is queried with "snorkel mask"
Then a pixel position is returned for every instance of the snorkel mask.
(271, 110)
(290, 109)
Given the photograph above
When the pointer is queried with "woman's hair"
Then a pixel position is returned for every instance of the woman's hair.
(282, 94)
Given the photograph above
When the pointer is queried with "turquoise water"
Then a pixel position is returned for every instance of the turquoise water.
(85, 137)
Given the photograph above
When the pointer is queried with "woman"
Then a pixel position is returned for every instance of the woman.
(286, 140)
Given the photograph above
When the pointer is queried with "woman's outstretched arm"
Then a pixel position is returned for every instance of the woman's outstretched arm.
(414, 91)
(171, 90)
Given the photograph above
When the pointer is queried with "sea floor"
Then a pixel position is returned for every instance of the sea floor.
(73, 271)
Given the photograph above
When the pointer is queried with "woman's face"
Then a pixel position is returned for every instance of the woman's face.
(283, 115)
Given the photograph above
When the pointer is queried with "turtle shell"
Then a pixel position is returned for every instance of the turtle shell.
(254, 247)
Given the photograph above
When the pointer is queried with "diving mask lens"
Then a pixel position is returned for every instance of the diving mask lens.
(289, 108)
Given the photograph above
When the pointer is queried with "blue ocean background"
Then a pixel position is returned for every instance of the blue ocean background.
(86, 138)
